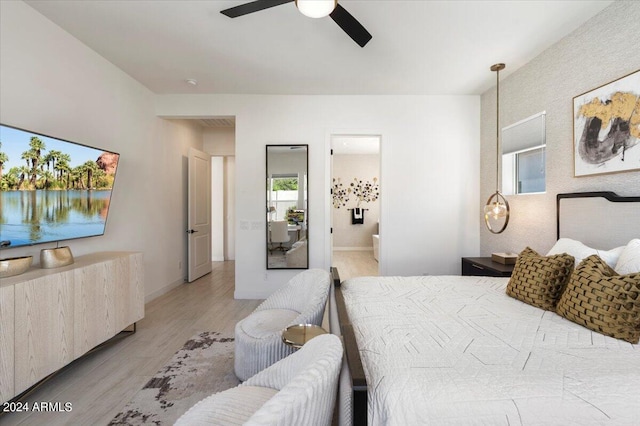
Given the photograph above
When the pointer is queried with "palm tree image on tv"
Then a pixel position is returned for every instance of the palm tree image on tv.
(51, 170)
(52, 190)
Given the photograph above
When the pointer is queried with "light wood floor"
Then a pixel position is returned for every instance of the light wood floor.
(99, 385)
(352, 264)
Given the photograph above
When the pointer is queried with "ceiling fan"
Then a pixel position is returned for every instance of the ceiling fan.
(313, 9)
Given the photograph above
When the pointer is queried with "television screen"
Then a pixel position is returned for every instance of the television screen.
(52, 189)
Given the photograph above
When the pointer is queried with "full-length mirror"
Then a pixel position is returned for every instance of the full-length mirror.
(287, 207)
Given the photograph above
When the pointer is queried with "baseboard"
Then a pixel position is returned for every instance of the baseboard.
(149, 297)
(217, 259)
(353, 249)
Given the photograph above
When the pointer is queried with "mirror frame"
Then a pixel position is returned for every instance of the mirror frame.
(306, 216)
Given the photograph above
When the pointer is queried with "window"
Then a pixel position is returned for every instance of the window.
(523, 156)
(283, 195)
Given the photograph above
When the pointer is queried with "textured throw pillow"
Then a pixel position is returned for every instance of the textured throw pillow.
(603, 301)
(581, 251)
(539, 280)
(629, 260)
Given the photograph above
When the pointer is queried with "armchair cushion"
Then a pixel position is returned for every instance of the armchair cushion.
(262, 323)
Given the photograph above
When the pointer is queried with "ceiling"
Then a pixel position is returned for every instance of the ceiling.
(418, 47)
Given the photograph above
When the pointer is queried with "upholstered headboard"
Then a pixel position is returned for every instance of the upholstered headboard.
(599, 219)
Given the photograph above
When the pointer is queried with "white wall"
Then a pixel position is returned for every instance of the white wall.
(347, 236)
(605, 48)
(429, 174)
(219, 141)
(52, 84)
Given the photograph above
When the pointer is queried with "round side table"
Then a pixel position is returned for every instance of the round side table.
(298, 335)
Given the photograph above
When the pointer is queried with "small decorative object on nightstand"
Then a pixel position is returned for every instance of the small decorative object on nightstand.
(484, 266)
(298, 335)
(505, 258)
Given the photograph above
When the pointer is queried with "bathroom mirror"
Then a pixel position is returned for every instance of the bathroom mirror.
(287, 207)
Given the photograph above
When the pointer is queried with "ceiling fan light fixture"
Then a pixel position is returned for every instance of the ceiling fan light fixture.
(316, 8)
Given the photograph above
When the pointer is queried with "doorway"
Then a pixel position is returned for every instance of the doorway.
(355, 209)
(219, 141)
(222, 208)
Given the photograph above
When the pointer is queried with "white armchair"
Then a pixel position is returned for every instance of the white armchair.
(298, 390)
(297, 257)
(258, 340)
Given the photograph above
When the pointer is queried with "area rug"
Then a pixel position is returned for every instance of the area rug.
(203, 366)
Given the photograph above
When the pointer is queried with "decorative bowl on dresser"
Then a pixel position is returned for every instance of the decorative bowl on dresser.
(14, 266)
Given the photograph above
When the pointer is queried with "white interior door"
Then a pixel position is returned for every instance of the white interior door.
(199, 226)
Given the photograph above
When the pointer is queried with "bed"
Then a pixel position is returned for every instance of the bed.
(457, 350)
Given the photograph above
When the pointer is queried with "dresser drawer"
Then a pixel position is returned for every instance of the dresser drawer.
(485, 267)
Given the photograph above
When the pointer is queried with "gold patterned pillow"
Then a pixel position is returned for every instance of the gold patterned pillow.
(539, 280)
(603, 301)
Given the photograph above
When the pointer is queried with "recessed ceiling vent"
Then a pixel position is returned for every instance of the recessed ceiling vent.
(218, 122)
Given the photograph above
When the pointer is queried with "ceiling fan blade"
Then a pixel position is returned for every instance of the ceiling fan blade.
(350, 25)
(254, 6)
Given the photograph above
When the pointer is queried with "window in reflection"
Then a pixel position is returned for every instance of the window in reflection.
(283, 195)
(523, 156)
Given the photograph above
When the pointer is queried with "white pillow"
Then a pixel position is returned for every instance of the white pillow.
(580, 251)
(629, 261)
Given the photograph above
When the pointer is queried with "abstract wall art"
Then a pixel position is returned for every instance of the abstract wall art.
(365, 191)
(606, 128)
(340, 194)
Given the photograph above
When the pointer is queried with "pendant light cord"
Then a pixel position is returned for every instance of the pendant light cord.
(498, 130)
(497, 68)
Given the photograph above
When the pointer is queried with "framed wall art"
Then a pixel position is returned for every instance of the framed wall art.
(606, 128)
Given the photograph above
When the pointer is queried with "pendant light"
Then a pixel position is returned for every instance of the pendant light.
(497, 208)
(316, 8)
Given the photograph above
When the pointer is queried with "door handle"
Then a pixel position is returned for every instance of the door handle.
(191, 231)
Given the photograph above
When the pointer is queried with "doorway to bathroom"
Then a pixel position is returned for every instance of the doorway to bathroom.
(355, 209)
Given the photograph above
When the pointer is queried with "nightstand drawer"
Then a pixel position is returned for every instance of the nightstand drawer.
(485, 267)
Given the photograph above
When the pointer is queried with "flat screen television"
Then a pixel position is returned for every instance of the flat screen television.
(52, 189)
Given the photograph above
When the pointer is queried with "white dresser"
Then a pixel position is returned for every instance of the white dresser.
(50, 317)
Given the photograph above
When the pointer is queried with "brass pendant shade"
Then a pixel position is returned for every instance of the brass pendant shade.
(496, 211)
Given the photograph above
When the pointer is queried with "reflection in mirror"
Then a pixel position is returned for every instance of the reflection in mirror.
(287, 207)
(523, 156)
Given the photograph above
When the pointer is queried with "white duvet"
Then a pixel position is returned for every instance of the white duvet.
(451, 350)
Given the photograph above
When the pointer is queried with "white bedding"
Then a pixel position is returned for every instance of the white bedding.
(451, 350)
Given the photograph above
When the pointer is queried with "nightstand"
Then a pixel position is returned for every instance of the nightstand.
(485, 267)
